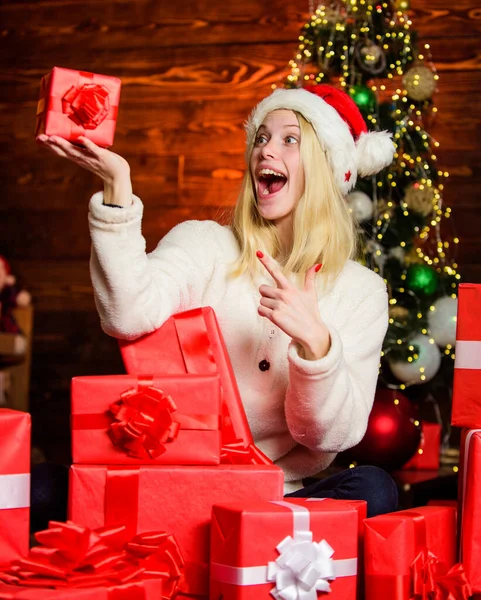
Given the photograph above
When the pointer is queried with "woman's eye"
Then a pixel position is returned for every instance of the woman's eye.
(261, 139)
(290, 139)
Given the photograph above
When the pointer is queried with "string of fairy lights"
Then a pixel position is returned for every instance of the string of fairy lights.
(368, 47)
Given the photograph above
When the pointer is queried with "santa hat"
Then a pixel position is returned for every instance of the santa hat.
(339, 126)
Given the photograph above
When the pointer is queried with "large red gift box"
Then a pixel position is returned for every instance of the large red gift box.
(77, 103)
(408, 547)
(469, 506)
(296, 548)
(466, 409)
(192, 342)
(428, 453)
(14, 484)
(150, 589)
(176, 499)
(123, 419)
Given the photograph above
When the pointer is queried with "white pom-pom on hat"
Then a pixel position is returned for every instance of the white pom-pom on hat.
(340, 129)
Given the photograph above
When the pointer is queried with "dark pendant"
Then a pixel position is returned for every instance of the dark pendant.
(264, 365)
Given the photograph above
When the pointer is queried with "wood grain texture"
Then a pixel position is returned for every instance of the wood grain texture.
(191, 72)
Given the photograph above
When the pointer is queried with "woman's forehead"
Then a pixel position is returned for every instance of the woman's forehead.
(281, 117)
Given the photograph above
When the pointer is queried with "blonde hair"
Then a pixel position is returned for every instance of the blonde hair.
(323, 226)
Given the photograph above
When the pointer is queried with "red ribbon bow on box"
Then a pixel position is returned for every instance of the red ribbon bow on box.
(87, 105)
(78, 557)
(432, 581)
(145, 421)
(237, 453)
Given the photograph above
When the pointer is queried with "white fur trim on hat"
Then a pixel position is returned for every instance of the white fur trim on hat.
(372, 152)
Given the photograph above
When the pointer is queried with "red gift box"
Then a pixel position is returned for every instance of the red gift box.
(150, 589)
(14, 484)
(290, 548)
(466, 409)
(469, 506)
(405, 548)
(105, 561)
(192, 342)
(177, 499)
(122, 419)
(77, 103)
(427, 454)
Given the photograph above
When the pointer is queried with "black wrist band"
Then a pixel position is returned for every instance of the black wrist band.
(112, 205)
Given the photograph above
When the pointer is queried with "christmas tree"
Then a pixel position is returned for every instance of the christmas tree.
(370, 49)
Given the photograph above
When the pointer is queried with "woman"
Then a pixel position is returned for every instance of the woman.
(304, 342)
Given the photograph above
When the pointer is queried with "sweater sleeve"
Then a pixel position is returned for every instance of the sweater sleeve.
(136, 292)
(328, 401)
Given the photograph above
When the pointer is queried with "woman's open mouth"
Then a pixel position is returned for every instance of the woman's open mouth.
(270, 182)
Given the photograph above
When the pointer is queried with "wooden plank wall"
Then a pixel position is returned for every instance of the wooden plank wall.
(191, 71)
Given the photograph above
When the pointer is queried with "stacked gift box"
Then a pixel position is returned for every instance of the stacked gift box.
(14, 484)
(466, 413)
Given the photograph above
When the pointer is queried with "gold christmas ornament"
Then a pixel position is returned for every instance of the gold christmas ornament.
(419, 82)
(420, 199)
(370, 57)
(399, 313)
(412, 257)
(383, 210)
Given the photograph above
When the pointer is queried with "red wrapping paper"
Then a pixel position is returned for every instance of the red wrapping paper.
(427, 454)
(141, 590)
(77, 103)
(192, 342)
(198, 403)
(14, 484)
(393, 541)
(177, 499)
(470, 509)
(246, 535)
(466, 409)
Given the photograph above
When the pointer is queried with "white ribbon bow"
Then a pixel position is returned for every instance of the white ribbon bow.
(303, 568)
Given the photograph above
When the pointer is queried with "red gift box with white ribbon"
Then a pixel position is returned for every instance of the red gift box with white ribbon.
(14, 484)
(466, 409)
(295, 548)
(78, 103)
(124, 419)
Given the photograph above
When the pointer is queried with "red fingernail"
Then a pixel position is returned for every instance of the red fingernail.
(318, 267)
(259, 254)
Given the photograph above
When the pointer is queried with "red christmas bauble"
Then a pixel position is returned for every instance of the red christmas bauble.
(393, 433)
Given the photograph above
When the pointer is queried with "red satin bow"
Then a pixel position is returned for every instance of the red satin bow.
(87, 105)
(145, 422)
(75, 556)
(237, 453)
(432, 580)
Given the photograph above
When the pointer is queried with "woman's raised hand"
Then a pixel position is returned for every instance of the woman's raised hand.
(294, 311)
(110, 167)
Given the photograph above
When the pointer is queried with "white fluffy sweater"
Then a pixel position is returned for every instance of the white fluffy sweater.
(301, 412)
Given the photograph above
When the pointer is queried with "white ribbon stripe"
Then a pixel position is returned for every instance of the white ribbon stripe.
(468, 355)
(14, 491)
(302, 568)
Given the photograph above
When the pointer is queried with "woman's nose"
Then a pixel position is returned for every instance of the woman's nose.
(268, 149)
